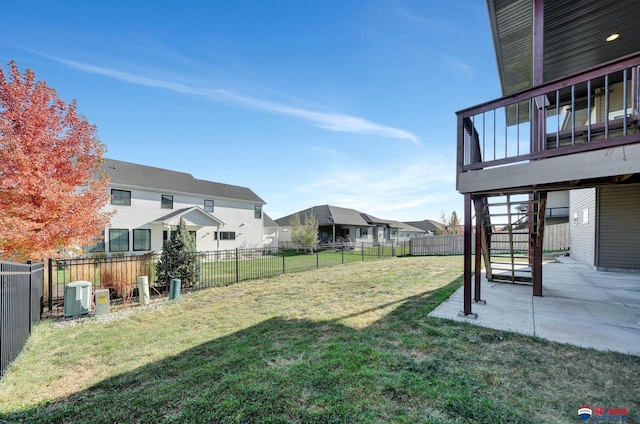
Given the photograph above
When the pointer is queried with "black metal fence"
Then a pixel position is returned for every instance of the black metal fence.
(207, 269)
(21, 290)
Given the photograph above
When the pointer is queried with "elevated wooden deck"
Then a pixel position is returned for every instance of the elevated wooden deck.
(576, 132)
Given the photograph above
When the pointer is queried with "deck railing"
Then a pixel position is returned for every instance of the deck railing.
(597, 108)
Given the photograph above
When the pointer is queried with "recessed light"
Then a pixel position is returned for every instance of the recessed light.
(613, 37)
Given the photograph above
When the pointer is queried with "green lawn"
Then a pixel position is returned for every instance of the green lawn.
(351, 343)
(227, 270)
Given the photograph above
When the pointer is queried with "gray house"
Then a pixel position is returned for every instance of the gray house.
(336, 224)
(429, 226)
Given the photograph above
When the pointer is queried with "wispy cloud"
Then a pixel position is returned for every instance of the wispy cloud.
(425, 21)
(410, 190)
(457, 65)
(333, 121)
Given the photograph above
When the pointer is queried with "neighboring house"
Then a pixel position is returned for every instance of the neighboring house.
(271, 236)
(149, 203)
(557, 210)
(406, 232)
(569, 120)
(336, 223)
(429, 226)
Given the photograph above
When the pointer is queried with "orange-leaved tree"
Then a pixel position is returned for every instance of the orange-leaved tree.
(52, 190)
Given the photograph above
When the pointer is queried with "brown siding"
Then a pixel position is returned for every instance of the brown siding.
(619, 227)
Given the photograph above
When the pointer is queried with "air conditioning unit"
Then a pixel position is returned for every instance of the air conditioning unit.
(77, 298)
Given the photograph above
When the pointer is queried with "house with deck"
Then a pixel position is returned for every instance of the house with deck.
(149, 202)
(568, 121)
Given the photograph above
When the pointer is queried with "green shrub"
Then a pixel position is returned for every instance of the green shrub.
(179, 258)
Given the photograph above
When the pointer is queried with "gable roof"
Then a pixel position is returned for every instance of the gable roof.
(268, 222)
(194, 215)
(328, 215)
(370, 219)
(403, 226)
(142, 176)
(428, 225)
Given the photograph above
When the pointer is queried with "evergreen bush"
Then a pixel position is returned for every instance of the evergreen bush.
(179, 258)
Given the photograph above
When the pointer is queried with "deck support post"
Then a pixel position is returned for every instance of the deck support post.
(477, 202)
(537, 240)
(466, 312)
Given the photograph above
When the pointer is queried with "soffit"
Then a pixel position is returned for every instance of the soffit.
(574, 37)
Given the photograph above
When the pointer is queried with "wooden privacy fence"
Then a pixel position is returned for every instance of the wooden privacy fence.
(437, 245)
(556, 237)
(21, 289)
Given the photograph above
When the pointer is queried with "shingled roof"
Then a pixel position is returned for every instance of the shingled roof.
(141, 176)
(268, 222)
(428, 225)
(328, 215)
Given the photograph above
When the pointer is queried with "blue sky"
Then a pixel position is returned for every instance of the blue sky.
(350, 103)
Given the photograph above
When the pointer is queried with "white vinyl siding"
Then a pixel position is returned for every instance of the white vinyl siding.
(237, 216)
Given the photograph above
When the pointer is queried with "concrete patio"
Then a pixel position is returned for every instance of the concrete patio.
(580, 306)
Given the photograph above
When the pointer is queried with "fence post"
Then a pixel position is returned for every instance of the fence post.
(317, 258)
(342, 253)
(50, 278)
(30, 293)
(237, 266)
(362, 250)
(283, 259)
